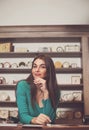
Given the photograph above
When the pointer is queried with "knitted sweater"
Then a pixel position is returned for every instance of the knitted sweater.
(25, 109)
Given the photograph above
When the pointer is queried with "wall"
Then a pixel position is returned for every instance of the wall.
(31, 12)
(43, 12)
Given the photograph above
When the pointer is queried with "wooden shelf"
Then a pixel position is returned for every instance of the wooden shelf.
(8, 104)
(27, 70)
(7, 87)
(71, 104)
(70, 87)
(69, 70)
(33, 54)
(69, 121)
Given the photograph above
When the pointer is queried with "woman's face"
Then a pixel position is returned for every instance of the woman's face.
(39, 69)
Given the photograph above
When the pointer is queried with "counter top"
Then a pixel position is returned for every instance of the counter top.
(41, 127)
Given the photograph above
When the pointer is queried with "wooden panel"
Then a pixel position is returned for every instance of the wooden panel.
(85, 47)
(43, 31)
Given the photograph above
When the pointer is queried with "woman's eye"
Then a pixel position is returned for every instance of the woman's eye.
(34, 66)
(43, 66)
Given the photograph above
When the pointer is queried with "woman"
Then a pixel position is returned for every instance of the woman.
(37, 96)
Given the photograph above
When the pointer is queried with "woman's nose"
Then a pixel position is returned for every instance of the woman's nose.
(38, 68)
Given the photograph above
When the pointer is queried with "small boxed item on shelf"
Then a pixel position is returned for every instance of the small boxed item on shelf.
(72, 48)
(6, 47)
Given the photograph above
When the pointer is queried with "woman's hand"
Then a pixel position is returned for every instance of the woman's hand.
(42, 119)
(41, 84)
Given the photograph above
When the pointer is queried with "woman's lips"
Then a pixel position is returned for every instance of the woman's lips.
(37, 74)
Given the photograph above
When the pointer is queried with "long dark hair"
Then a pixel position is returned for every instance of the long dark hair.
(50, 79)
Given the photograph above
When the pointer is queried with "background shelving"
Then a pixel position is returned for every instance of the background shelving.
(49, 35)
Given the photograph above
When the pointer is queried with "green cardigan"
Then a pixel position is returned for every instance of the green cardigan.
(25, 109)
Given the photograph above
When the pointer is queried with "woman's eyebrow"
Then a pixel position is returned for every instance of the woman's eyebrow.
(34, 63)
(40, 64)
(43, 64)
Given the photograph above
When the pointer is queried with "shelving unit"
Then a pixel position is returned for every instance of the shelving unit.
(53, 54)
(50, 34)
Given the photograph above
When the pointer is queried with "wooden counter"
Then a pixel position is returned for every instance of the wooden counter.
(66, 127)
(49, 127)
